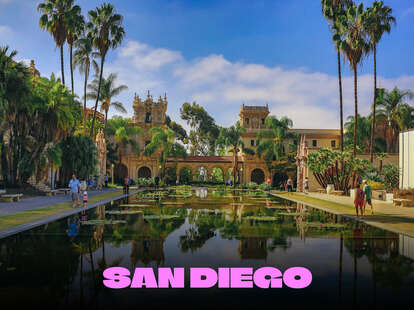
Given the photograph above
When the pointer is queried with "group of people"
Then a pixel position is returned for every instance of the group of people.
(75, 192)
(287, 186)
(362, 198)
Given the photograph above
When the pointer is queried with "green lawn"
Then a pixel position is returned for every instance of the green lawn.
(9, 221)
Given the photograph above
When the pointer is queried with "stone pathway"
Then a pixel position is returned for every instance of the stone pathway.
(31, 203)
(380, 206)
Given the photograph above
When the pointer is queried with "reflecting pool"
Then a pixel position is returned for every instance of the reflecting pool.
(60, 265)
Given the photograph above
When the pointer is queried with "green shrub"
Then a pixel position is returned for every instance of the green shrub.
(390, 176)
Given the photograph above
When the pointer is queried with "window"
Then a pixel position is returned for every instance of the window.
(147, 142)
(333, 143)
(247, 121)
(251, 142)
(148, 117)
(314, 143)
(263, 120)
(295, 142)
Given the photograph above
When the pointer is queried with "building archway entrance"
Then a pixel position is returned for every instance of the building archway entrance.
(144, 172)
(120, 173)
(257, 176)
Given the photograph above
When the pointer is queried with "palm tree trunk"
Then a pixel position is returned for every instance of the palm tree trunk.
(106, 122)
(234, 165)
(71, 68)
(62, 67)
(84, 101)
(340, 101)
(98, 95)
(371, 144)
(356, 108)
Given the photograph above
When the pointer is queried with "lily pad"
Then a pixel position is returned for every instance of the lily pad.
(293, 213)
(103, 222)
(322, 225)
(261, 218)
(124, 212)
(172, 203)
(137, 205)
(160, 217)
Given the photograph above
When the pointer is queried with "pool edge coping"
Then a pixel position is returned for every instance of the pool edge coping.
(353, 217)
(23, 227)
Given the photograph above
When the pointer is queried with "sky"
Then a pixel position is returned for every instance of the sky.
(225, 53)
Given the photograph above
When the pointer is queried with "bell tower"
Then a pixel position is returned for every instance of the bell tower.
(149, 113)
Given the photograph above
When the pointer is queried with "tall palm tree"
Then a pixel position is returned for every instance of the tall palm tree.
(395, 114)
(377, 22)
(108, 91)
(271, 141)
(75, 26)
(163, 141)
(331, 9)
(231, 138)
(124, 134)
(105, 27)
(54, 20)
(83, 58)
(351, 40)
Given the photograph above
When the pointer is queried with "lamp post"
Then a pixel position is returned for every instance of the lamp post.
(112, 173)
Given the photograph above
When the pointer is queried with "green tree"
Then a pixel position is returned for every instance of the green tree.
(75, 27)
(363, 133)
(79, 156)
(124, 134)
(177, 128)
(377, 22)
(108, 91)
(331, 9)
(272, 141)
(350, 38)
(105, 27)
(163, 142)
(231, 138)
(84, 56)
(54, 156)
(395, 114)
(54, 20)
(204, 131)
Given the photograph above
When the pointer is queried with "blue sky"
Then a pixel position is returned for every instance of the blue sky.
(222, 53)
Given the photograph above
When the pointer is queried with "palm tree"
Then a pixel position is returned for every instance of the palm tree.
(395, 115)
(54, 156)
(271, 141)
(125, 134)
(108, 91)
(105, 27)
(75, 26)
(378, 21)
(350, 39)
(163, 141)
(231, 138)
(54, 20)
(83, 58)
(363, 131)
(331, 9)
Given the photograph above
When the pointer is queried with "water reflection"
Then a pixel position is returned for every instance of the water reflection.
(352, 264)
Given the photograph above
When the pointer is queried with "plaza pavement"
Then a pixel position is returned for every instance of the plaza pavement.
(32, 203)
(386, 216)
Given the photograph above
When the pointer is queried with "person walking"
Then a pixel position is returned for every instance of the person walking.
(126, 185)
(359, 200)
(74, 185)
(85, 198)
(106, 180)
(281, 186)
(368, 195)
(306, 185)
(289, 185)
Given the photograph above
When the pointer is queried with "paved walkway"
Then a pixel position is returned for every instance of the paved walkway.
(386, 215)
(380, 206)
(31, 203)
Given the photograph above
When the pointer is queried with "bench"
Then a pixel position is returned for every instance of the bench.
(321, 190)
(51, 192)
(63, 190)
(401, 201)
(11, 197)
(338, 193)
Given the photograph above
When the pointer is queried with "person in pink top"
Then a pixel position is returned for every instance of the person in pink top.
(85, 198)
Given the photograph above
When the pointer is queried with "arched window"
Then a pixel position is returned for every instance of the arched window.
(148, 117)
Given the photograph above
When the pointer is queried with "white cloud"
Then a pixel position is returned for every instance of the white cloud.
(5, 32)
(222, 86)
